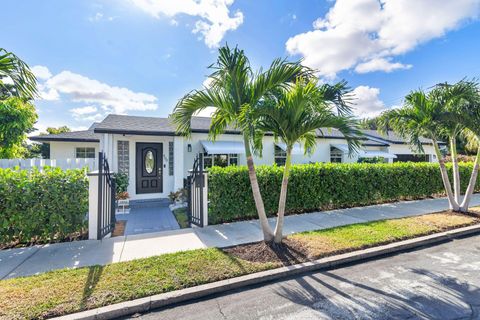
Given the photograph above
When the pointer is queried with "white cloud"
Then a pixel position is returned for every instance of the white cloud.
(207, 112)
(214, 15)
(380, 64)
(368, 34)
(109, 98)
(84, 110)
(367, 103)
(97, 17)
(207, 82)
(41, 72)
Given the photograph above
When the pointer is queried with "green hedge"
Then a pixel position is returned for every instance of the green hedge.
(42, 206)
(322, 186)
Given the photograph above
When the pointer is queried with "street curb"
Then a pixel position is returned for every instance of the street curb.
(162, 300)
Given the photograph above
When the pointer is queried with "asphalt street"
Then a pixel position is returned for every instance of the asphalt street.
(439, 282)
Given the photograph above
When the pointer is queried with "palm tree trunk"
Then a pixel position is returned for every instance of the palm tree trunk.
(446, 181)
(456, 173)
(257, 196)
(471, 184)
(283, 197)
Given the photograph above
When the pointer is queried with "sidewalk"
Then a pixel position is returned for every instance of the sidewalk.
(42, 258)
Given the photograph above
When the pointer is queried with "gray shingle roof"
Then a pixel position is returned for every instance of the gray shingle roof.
(163, 126)
(79, 136)
(391, 136)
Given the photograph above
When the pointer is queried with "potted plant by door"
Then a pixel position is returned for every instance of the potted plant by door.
(178, 199)
(123, 203)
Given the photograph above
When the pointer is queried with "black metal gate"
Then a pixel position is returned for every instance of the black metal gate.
(195, 184)
(106, 198)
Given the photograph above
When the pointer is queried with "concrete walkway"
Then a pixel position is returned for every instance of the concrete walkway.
(148, 219)
(39, 259)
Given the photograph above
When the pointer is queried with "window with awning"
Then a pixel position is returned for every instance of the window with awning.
(221, 153)
(336, 149)
(297, 148)
(223, 147)
(376, 154)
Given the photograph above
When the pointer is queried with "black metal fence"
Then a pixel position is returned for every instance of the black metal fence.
(195, 185)
(106, 198)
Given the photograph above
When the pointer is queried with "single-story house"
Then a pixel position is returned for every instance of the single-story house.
(157, 159)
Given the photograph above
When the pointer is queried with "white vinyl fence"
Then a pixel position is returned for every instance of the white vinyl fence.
(28, 164)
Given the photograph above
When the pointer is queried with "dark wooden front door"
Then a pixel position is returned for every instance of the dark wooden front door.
(149, 171)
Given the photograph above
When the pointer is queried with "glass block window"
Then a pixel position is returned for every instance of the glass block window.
(123, 156)
(84, 153)
(170, 158)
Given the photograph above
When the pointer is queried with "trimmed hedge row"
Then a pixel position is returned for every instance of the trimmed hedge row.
(323, 186)
(42, 206)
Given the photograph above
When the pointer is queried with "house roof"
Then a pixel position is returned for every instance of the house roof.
(75, 136)
(123, 124)
(392, 137)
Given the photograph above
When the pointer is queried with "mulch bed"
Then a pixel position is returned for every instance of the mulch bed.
(288, 253)
(119, 229)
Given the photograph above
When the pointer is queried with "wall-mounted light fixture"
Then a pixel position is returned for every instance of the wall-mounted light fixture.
(189, 147)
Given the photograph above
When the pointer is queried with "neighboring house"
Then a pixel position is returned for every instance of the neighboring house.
(157, 159)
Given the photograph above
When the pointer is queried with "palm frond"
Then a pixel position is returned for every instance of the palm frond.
(24, 81)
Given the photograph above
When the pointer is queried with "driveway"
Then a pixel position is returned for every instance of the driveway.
(441, 282)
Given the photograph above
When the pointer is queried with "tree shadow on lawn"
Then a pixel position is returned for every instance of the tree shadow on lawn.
(425, 295)
(93, 277)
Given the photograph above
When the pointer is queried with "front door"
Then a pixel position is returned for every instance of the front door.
(149, 169)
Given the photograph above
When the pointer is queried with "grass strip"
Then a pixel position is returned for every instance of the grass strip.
(182, 217)
(66, 291)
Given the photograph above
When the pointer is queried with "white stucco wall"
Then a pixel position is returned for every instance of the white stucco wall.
(406, 149)
(66, 150)
(183, 159)
(168, 180)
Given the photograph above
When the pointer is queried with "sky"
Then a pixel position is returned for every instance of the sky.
(139, 57)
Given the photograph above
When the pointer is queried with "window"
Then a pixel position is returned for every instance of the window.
(280, 156)
(411, 157)
(85, 152)
(336, 155)
(123, 156)
(170, 158)
(220, 160)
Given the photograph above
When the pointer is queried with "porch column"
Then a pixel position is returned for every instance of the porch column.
(178, 162)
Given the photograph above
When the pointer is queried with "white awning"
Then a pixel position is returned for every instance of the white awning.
(373, 154)
(297, 148)
(223, 147)
(341, 147)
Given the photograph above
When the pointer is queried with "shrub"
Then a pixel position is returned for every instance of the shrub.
(121, 182)
(42, 206)
(322, 186)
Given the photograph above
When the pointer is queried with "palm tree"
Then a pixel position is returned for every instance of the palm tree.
(234, 91)
(24, 81)
(295, 115)
(469, 115)
(438, 114)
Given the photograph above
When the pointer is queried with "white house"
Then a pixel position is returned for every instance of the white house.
(157, 159)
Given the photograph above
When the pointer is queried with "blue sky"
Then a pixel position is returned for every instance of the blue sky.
(140, 56)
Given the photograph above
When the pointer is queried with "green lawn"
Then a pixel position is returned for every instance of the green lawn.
(66, 291)
(357, 236)
(182, 217)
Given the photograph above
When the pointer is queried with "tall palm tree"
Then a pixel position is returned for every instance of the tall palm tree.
(438, 114)
(295, 115)
(234, 91)
(24, 81)
(469, 115)
(455, 100)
